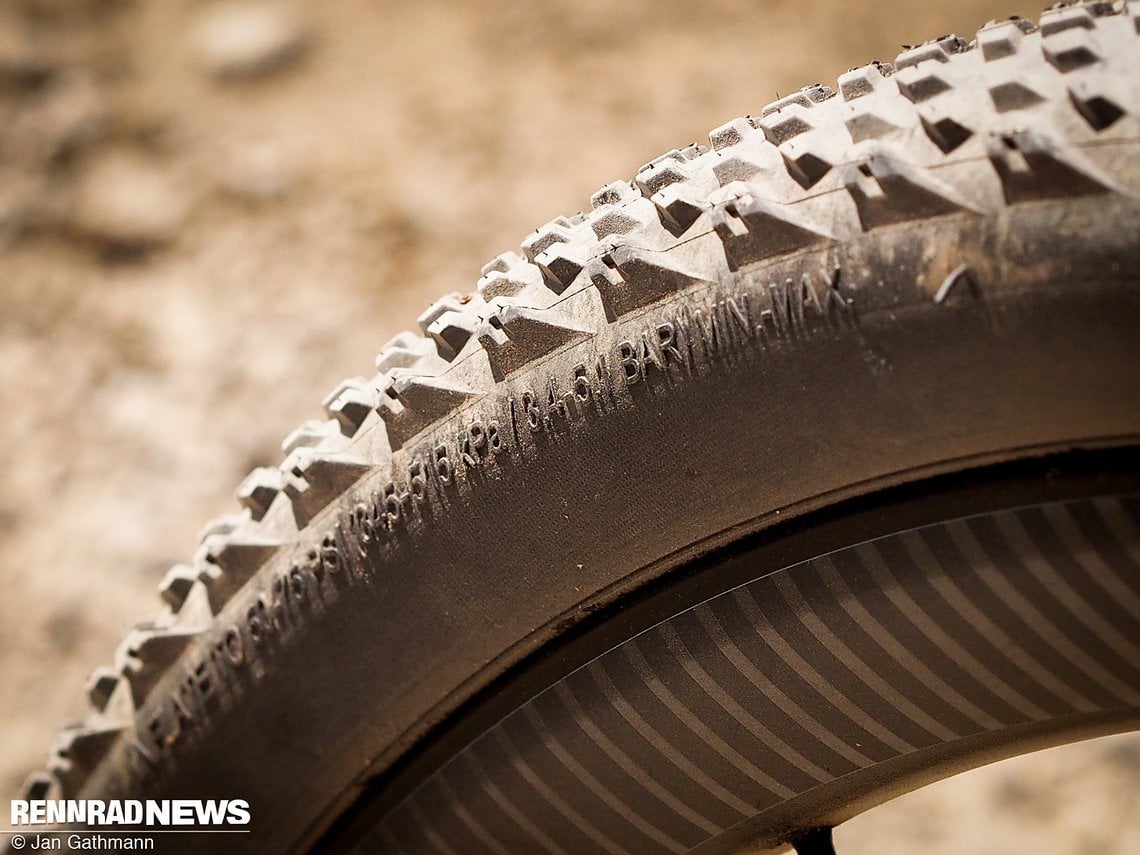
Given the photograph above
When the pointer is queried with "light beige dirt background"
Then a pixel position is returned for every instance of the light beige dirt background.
(210, 212)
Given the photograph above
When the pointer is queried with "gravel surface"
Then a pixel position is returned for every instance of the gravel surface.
(211, 212)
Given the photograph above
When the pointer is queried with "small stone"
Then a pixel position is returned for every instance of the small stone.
(248, 39)
(128, 203)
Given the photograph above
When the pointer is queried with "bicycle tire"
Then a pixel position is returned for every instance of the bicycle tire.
(918, 291)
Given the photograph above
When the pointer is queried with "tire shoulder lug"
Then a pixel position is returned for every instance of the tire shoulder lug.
(887, 191)
(411, 403)
(628, 278)
(752, 229)
(1032, 166)
(516, 335)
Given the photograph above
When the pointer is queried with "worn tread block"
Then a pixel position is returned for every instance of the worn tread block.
(100, 686)
(38, 786)
(451, 331)
(147, 653)
(918, 86)
(783, 125)
(258, 490)
(944, 130)
(614, 193)
(176, 585)
(1032, 166)
(936, 50)
(316, 478)
(560, 265)
(629, 277)
(680, 206)
(1014, 95)
(806, 98)
(311, 434)
(1100, 109)
(864, 81)
(731, 133)
(1004, 39)
(545, 237)
(870, 126)
(408, 350)
(807, 164)
(887, 191)
(85, 744)
(752, 229)
(411, 403)
(516, 335)
(1071, 50)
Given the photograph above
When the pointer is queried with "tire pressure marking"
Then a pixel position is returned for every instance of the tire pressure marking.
(677, 346)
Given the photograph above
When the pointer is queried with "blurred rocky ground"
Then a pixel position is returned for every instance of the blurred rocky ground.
(213, 210)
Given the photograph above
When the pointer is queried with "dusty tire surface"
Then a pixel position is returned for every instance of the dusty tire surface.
(929, 270)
